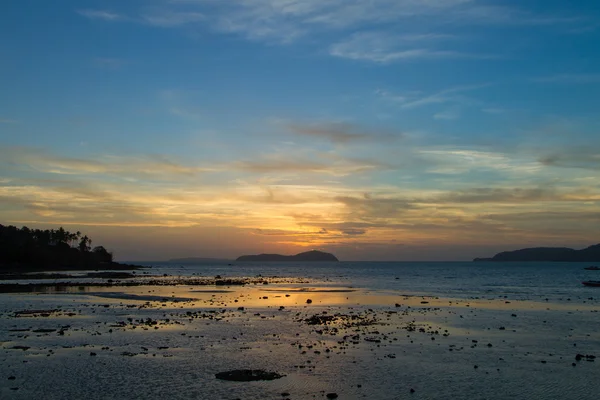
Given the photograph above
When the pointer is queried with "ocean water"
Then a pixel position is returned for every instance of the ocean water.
(523, 280)
(445, 330)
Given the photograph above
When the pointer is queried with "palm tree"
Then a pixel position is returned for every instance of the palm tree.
(84, 244)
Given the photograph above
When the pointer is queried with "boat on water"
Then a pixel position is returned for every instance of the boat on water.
(592, 268)
(591, 283)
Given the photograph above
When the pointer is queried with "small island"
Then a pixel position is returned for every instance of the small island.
(548, 254)
(308, 256)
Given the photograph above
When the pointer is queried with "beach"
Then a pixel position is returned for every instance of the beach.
(325, 332)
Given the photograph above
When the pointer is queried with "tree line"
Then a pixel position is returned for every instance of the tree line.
(25, 248)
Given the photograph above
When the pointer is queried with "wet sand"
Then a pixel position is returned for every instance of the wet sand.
(102, 342)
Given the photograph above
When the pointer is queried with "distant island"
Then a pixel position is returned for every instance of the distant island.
(26, 250)
(565, 254)
(194, 260)
(308, 256)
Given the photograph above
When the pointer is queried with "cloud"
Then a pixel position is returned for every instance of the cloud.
(368, 206)
(443, 96)
(461, 160)
(399, 23)
(448, 115)
(500, 195)
(341, 132)
(8, 121)
(291, 19)
(288, 20)
(285, 165)
(584, 158)
(156, 166)
(102, 15)
(384, 47)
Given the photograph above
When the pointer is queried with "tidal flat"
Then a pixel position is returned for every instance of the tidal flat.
(317, 340)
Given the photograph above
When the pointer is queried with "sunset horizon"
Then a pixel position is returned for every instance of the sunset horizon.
(380, 130)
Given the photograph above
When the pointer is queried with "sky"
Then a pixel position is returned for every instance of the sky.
(373, 129)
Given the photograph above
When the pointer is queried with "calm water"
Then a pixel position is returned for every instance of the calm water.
(451, 279)
(496, 348)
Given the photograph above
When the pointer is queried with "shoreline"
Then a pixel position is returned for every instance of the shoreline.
(174, 339)
(27, 268)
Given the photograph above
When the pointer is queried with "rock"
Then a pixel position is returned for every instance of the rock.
(308, 301)
(12, 378)
(285, 394)
(331, 395)
(92, 354)
(247, 375)
(579, 357)
(412, 390)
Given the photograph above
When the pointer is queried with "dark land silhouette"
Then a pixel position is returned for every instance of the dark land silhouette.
(30, 250)
(308, 256)
(565, 254)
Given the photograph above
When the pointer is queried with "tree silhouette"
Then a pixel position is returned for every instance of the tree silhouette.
(33, 249)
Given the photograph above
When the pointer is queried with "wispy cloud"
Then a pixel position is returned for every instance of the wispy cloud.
(461, 160)
(156, 166)
(585, 158)
(380, 31)
(8, 121)
(342, 132)
(335, 166)
(385, 47)
(501, 195)
(102, 15)
(285, 18)
(414, 100)
(448, 115)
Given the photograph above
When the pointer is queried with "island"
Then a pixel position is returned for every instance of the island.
(548, 254)
(308, 256)
(25, 250)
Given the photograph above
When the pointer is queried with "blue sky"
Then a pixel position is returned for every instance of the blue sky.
(381, 129)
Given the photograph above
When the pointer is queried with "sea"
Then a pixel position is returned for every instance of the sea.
(392, 330)
(520, 280)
